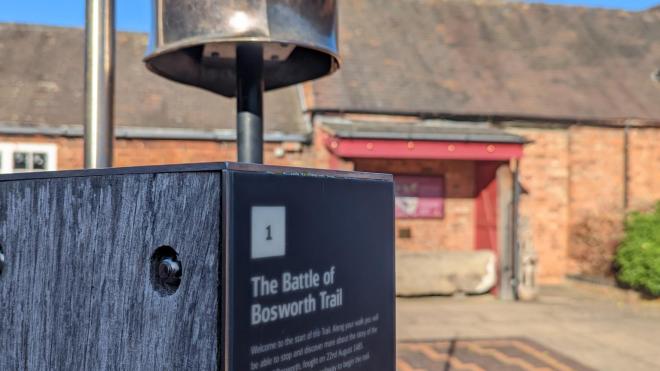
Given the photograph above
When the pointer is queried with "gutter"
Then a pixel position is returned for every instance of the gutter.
(152, 133)
(445, 137)
(452, 134)
(597, 122)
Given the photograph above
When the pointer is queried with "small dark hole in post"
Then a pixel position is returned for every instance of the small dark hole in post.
(165, 271)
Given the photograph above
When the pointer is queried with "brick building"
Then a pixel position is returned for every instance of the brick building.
(451, 96)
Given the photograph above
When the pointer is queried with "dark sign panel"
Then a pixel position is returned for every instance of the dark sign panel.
(310, 264)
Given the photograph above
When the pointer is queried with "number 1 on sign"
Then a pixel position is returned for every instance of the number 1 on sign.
(268, 233)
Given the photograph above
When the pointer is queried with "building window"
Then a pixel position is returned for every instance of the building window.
(26, 157)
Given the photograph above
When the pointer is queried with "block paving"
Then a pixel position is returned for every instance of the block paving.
(482, 354)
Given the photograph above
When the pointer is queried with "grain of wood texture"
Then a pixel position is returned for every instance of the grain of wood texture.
(76, 292)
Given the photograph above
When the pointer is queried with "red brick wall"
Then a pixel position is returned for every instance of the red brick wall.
(644, 167)
(134, 152)
(597, 190)
(596, 168)
(544, 175)
(322, 157)
(574, 179)
(69, 150)
(456, 230)
(596, 198)
(568, 174)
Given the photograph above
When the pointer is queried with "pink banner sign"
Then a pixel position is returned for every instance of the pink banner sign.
(419, 197)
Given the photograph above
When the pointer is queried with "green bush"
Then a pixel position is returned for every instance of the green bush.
(638, 258)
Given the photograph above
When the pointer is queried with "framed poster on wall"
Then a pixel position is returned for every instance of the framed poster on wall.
(419, 197)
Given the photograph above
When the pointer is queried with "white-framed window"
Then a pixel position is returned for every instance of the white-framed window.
(26, 157)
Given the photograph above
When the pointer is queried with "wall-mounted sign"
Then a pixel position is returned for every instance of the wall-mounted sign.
(419, 197)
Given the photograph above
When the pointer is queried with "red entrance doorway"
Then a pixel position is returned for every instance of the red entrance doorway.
(486, 205)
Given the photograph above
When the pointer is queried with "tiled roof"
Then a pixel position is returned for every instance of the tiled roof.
(421, 130)
(41, 86)
(495, 58)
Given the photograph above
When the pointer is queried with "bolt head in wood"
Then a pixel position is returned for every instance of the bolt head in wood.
(169, 270)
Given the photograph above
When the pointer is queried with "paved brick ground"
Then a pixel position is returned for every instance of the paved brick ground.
(572, 325)
(480, 355)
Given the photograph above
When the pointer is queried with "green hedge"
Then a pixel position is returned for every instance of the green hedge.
(638, 258)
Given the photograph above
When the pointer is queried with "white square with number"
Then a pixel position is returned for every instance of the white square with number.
(268, 231)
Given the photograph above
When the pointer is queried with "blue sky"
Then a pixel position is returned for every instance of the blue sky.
(134, 15)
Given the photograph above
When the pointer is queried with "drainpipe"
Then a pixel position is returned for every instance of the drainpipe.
(505, 230)
(515, 245)
(626, 166)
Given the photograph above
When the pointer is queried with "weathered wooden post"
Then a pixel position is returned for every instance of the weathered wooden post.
(208, 266)
(203, 267)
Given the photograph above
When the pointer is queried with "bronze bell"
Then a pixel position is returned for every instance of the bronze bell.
(194, 41)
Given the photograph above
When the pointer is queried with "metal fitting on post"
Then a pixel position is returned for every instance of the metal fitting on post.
(2, 261)
(169, 271)
(166, 270)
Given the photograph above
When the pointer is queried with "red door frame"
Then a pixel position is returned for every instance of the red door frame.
(486, 211)
(486, 205)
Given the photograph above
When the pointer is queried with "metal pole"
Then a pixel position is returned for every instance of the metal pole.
(249, 98)
(626, 168)
(99, 82)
